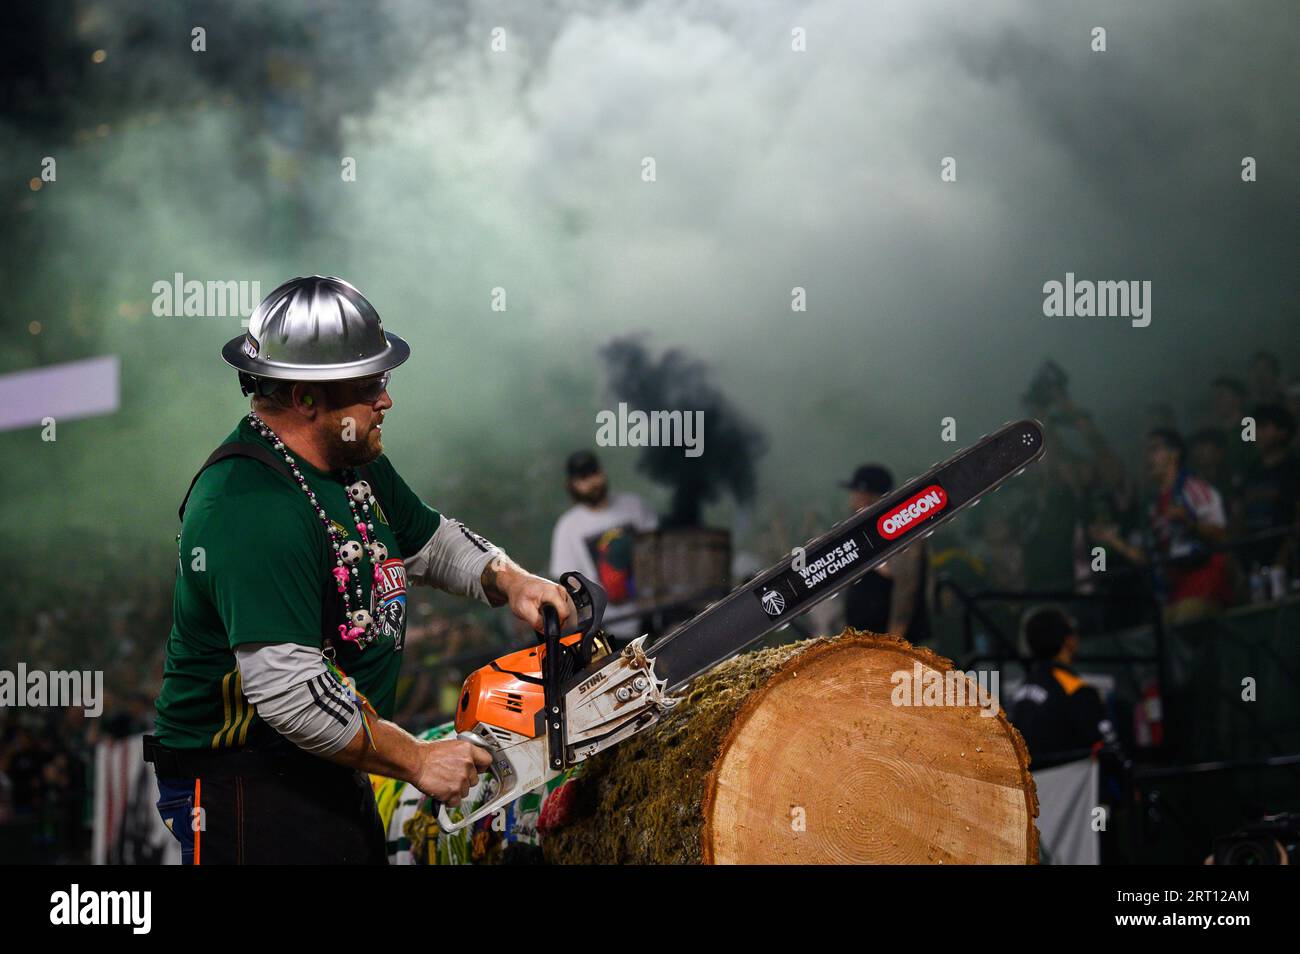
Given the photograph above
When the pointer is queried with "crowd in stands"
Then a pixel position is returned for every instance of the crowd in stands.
(1204, 510)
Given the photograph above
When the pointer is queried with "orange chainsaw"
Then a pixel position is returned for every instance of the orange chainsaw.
(541, 710)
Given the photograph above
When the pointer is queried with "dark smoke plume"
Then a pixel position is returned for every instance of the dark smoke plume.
(732, 445)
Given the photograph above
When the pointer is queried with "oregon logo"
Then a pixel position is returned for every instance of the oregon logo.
(920, 507)
(773, 603)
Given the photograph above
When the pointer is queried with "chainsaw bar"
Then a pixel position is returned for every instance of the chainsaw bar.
(843, 554)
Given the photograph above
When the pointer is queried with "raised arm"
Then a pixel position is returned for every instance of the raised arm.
(460, 561)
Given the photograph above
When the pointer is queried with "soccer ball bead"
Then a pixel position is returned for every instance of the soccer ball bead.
(378, 552)
(350, 552)
(359, 492)
(360, 618)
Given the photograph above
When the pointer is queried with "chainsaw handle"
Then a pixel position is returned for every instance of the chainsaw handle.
(586, 594)
(517, 768)
(500, 787)
(550, 622)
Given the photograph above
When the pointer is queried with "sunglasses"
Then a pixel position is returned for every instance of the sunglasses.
(369, 390)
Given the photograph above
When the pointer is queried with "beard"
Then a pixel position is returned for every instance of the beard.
(592, 497)
(354, 453)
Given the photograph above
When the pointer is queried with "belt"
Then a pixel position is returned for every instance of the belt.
(216, 763)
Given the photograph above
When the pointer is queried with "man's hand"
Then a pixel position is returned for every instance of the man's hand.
(449, 769)
(505, 581)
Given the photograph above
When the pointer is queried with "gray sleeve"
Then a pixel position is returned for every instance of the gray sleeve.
(296, 694)
(453, 560)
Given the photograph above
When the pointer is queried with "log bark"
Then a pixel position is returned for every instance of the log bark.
(799, 754)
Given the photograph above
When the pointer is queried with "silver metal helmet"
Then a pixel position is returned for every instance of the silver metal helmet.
(315, 329)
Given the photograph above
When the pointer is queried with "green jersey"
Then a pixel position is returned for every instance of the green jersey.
(255, 566)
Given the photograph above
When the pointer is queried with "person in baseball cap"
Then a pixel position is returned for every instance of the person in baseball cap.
(892, 597)
(596, 536)
(581, 464)
(868, 484)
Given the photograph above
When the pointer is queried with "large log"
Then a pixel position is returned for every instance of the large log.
(799, 754)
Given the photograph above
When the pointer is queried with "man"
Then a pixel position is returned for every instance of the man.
(1270, 494)
(289, 611)
(1227, 403)
(1055, 711)
(595, 536)
(1227, 408)
(892, 597)
(1184, 519)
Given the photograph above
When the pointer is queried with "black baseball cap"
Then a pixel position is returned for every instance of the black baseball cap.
(582, 463)
(871, 478)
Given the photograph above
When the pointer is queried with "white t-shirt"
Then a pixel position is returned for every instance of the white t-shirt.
(597, 542)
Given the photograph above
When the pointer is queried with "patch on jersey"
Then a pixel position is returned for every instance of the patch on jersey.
(390, 600)
(341, 530)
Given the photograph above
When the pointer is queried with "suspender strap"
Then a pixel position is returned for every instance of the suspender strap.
(257, 452)
(237, 449)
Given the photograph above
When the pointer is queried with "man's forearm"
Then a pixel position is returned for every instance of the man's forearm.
(453, 560)
(395, 754)
(444, 769)
(497, 576)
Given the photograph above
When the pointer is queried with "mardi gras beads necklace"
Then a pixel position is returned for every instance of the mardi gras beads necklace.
(360, 628)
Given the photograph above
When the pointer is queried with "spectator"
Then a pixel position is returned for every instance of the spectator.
(1053, 513)
(1081, 465)
(1057, 713)
(1227, 403)
(1207, 458)
(1270, 495)
(892, 598)
(595, 536)
(1184, 519)
(999, 552)
(1227, 408)
(1111, 515)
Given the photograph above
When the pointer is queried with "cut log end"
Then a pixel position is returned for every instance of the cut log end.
(804, 754)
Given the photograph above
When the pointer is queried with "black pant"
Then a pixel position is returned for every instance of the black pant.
(325, 815)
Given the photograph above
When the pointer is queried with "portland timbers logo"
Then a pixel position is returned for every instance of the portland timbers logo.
(773, 603)
(391, 592)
